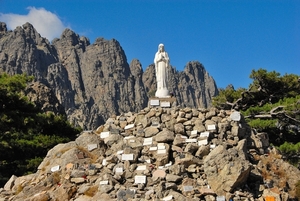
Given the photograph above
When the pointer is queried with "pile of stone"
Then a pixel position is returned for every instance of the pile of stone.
(160, 153)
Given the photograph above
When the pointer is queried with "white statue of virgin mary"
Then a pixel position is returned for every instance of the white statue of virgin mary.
(161, 61)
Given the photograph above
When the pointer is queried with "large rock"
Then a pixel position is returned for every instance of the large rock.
(225, 170)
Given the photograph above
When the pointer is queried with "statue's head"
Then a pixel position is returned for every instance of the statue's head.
(161, 47)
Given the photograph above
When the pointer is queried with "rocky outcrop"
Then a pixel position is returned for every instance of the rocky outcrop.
(161, 154)
(91, 82)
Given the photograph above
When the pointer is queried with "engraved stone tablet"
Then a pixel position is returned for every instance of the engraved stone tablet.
(165, 104)
(141, 167)
(128, 137)
(91, 147)
(235, 116)
(202, 142)
(160, 147)
(154, 102)
(140, 179)
(103, 182)
(221, 198)
(161, 151)
(187, 188)
(55, 168)
(104, 134)
(194, 132)
(204, 134)
(127, 157)
(129, 126)
(153, 149)
(119, 170)
(147, 141)
(211, 127)
(167, 198)
(191, 140)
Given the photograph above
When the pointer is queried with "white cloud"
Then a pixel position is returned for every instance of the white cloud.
(45, 22)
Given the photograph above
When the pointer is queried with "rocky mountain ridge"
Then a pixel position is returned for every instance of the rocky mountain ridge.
(162, 153)
(90, 82)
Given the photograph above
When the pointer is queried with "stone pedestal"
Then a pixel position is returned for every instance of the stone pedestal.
(162, 93)
(166, 102)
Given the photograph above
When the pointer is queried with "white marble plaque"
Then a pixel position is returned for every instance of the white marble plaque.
(221, 198)
(160, 147)
(154, 102)
(141, 167)
(119, 170)
(211, 127)
(212, 146)
(194, 132)
(235, 116)
(127, 157)
(202, 142)
(153, 149)
(91, 147)
(204, 134)
(128, 137)
(104, 134)
(105, 182)
(191, 140)
(140, 179)
(165, 104)
(167, 198)
(129, 126)
(55, 168)
(148, 161)
(147, 141)
(188, 188)
(161, 151)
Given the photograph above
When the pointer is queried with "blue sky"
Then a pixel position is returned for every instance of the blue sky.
(230, 38)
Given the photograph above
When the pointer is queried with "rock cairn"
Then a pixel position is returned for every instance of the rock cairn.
(159, 154)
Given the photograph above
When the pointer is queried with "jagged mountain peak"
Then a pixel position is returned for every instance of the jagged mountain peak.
(94, 81)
